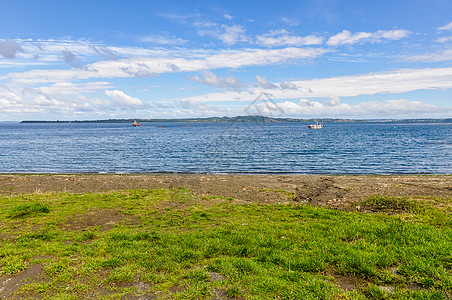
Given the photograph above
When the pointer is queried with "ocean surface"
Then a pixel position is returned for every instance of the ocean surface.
(254, 148)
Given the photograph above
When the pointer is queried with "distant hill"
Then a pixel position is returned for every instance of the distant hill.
(243, 119)
(247, 119)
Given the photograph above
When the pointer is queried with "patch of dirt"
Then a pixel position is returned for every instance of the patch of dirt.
(349, 283)
(176, 288)
(213, 276)
(332, 191)
(103, 218)
(220, 294)
(10, 284)
(97, 292)
(142, 297)
(346, 283)
(317, 191)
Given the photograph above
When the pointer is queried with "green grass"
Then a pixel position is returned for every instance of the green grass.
(166, 243)
(27, 209)
(436, 211)
(388, 203)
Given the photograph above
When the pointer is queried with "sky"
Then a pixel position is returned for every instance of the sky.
(90, 60)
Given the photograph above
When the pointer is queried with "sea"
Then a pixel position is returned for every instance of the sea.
(226, 148)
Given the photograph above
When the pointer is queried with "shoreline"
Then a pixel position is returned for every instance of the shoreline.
(325, 190)
(225, 173)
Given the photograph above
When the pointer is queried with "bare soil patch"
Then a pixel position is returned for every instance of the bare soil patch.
(103, 218)
(346, 283)
(10, 284)
(332, 191)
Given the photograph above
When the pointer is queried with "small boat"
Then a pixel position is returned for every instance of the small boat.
(135, 123)
(315, 126)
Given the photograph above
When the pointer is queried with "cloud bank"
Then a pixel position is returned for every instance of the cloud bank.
(348, 38)
(151, 66)
(305, 108)
(405, 80)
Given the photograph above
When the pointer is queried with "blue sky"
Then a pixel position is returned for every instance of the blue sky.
(77, 60)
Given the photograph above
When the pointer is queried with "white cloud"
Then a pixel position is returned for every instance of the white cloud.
(400, 81)
(256, 57)
(159, 52)
(58, 99)
(443, 55)
(50, 51)
(288, 86)
(68, 88)
(283, 37)
(21, 64)
(263, 83)
(76, 101)
(233, 83)
(334, 100)
(105, 52)
(229, 17)
(390, 34)
(68, 57)
(53, 48)
(348, 38)
(404, 80)
(305, 108)
(53, 51)
(146, 62)
(140, 70)
(122, 99)
(228, 34)
(71, 59)
(162, 40)
(151, 66)
(9, 48)
(446, 27)
(233, 34)
(444, 39)
(210, 79)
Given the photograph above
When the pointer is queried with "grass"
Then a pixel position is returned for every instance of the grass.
(389, 203)
(436, 211)
(27, 209)
(174, 245)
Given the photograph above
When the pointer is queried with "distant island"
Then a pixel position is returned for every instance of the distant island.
(248, 119)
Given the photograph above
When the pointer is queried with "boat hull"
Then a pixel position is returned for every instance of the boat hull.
(315, 126)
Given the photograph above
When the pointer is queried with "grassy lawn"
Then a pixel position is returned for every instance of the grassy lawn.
(171, 244)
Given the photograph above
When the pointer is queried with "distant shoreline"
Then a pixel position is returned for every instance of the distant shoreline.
(246, 119)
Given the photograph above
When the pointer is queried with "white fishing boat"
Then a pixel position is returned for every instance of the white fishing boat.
(315, 126)
(135, 123)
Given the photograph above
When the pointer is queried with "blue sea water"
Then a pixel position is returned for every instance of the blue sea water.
(338, 148)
